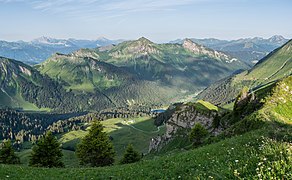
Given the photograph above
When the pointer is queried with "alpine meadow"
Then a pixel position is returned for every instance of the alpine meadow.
(155, 89)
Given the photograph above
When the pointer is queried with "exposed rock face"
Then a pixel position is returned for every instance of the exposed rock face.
(184, 119)
(85, 53)
(202, 50)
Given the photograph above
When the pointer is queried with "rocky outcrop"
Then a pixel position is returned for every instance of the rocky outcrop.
(204, 51)
(184, 119)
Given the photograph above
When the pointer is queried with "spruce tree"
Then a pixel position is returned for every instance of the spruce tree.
(198, 132)
(7, 155)
(47, 153)
(130, 155)
(95, 149)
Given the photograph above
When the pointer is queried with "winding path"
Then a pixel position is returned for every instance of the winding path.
(284, 64)
(148, 132)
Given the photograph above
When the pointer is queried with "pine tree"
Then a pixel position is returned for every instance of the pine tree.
(198, 132)
(7, 155)
(47, 153)
(95, 148)
(130, 155)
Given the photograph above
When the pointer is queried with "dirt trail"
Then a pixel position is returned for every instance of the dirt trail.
(149, 132)
(284, 64)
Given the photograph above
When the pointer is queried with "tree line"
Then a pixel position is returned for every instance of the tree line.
(22, 127)
(94, 150)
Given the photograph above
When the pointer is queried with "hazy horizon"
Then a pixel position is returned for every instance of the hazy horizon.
(141, 37)
(157, 20)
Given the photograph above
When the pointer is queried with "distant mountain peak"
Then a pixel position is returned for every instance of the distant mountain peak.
(42, 39)
(144, 40)
(101, 38)
(192, 46)
(277, 39)
(202, 50)
(136, 48)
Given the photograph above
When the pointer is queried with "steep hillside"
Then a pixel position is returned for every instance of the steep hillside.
(83, 73)
(24, 87)
(180, 123)
(251, 111)
(16, 78)
(173, 63)
(250, 50)
(276, 65)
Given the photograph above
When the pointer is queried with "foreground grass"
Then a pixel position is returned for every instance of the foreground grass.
(254, 155)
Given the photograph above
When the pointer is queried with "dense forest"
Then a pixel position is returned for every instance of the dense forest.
(28, 126)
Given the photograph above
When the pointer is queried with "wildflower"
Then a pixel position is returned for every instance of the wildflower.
(269, 168)
(236, 173)
(265, 159)
(232, 148)
(236, 160)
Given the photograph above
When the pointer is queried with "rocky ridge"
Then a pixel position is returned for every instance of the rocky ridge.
(183, 120)
(202, 50)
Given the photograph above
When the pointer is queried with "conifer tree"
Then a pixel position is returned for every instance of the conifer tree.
(7, 155)
(95, 149)
(198, 132)
(130, 155)
(47, 153)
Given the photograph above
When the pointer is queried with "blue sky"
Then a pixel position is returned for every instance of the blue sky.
(158, 20)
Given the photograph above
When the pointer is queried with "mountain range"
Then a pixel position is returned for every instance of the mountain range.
(249, 50)
(36, 51)
(138, 71)
(40, 49)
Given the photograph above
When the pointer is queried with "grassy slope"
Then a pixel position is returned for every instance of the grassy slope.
(9, 92)
(136, 131)
(258, 154)
(81, 74)
(69, 158)
(277, 65)
(17, 101)
(226, 159)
